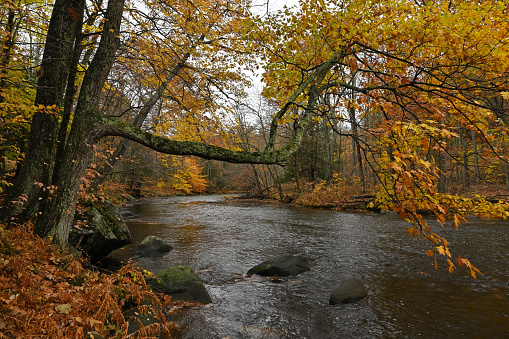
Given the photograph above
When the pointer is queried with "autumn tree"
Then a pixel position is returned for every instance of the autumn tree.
(424, 66)
(47, 186)
(22, 24)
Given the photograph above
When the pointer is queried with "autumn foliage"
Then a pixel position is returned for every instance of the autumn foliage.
(48, 293)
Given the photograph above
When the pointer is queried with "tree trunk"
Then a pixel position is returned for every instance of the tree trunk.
(356, 149)
(476, 157)
(36, 171)
(464, 165)
(58, 214)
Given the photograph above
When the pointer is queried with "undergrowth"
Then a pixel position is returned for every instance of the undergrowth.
(48, 293)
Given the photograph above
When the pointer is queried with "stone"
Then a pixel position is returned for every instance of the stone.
(283, 265)
(152, 245)
(105, 231)
(180, 283)
(350, 290)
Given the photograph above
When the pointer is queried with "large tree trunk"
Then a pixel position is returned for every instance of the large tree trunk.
(22, 199)
(85, 132)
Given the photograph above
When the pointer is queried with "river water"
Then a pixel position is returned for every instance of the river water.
(407, 298)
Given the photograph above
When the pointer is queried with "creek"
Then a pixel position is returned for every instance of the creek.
(407, 298)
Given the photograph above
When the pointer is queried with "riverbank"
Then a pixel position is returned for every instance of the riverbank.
(47, 292)
(485, 201)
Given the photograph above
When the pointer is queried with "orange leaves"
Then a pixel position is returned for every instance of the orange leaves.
(442, 250)
(472, 270)
(47, 293)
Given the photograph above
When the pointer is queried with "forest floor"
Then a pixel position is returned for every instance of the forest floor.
(49, 293)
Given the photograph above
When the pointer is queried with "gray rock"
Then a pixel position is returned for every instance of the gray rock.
(152, 245)
(283, 265)
(350, 290)
(181, 283)
(105, 232)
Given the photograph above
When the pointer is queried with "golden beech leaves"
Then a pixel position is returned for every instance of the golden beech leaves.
(425, 75)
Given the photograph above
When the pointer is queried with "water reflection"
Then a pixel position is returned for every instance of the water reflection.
(407, 298)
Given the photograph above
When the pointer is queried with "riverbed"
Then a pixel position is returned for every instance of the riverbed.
(222, 238)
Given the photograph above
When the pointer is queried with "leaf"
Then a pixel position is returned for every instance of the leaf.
(64, 308)
(96, 324)
(411, 231)
(451, 267)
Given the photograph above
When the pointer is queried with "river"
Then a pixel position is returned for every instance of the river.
(407, 298)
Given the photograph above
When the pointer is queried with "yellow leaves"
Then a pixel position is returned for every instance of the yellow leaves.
(442, 250)
(451, 268)
(187, 176)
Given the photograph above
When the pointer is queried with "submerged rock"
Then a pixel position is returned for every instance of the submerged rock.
(283, 265)
(181, 283)
(350, 290)
(105, 232)
(152, 245)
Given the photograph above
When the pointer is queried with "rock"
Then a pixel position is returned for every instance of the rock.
(105, 232)
(282, 266)
(152, 245)
(181, 283)
(350, 290)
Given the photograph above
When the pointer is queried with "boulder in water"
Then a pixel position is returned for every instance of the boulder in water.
(152, 245)
(181, 283)
(283, 265)
(350, 290)
(105, 231)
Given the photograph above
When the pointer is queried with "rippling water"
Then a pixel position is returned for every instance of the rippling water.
(407, 298)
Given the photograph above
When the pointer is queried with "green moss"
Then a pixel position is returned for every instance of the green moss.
(177, 274)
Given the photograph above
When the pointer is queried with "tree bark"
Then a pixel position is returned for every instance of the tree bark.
(57, 217)
(36, 170)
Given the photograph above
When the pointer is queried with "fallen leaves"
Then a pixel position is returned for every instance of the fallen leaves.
(46, 292)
